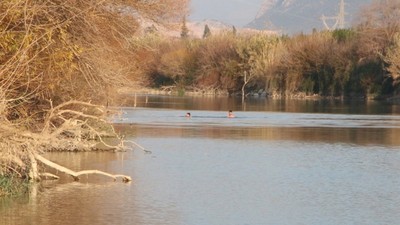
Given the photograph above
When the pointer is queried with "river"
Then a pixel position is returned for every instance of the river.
(276, 162)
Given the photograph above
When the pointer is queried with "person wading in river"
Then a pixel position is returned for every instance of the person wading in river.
(230, 114)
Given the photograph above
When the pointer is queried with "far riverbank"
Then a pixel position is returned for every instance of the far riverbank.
(261, 93)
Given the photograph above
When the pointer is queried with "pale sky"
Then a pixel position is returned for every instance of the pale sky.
(233, 12)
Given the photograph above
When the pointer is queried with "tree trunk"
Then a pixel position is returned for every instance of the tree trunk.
(33, 172)
(245, 81)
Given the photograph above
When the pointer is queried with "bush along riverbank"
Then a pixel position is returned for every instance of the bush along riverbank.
(59, 68)
(362, 60)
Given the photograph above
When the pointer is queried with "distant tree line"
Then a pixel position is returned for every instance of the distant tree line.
(357, 62)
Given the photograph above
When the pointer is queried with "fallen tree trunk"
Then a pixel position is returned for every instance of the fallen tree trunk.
(70, 126)
(76, 175)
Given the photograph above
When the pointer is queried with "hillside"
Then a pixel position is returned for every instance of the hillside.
(295, 16)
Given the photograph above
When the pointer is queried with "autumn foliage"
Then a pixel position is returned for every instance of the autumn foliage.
(67, 56)
(361, 61)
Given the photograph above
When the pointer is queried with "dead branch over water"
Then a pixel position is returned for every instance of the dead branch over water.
(76, 175)
(71, 126)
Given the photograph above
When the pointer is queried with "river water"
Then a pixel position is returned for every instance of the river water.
(276, 162)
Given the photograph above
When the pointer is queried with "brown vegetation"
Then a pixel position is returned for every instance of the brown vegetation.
(361, 61)
(55, 57)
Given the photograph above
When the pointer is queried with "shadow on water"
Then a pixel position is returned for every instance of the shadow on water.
(260, 104)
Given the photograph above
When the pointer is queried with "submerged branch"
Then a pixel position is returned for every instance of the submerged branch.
(76, 175)
(139, 146)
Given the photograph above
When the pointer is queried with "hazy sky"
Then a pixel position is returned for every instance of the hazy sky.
(234, 12)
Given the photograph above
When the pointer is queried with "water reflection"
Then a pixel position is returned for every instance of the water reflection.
(171, 117)
(358, 129)
(195, 181)
(330, 135)
(259, 104)
(277, 162)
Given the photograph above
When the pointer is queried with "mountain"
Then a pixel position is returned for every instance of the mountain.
(295, 16)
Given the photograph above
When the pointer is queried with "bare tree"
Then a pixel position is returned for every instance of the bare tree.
(256, 55)
(59, 52)
(378, 24)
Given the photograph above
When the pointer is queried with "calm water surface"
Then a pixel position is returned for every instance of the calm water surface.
(277, 162)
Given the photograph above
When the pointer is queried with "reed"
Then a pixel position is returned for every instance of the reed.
(12, 186)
